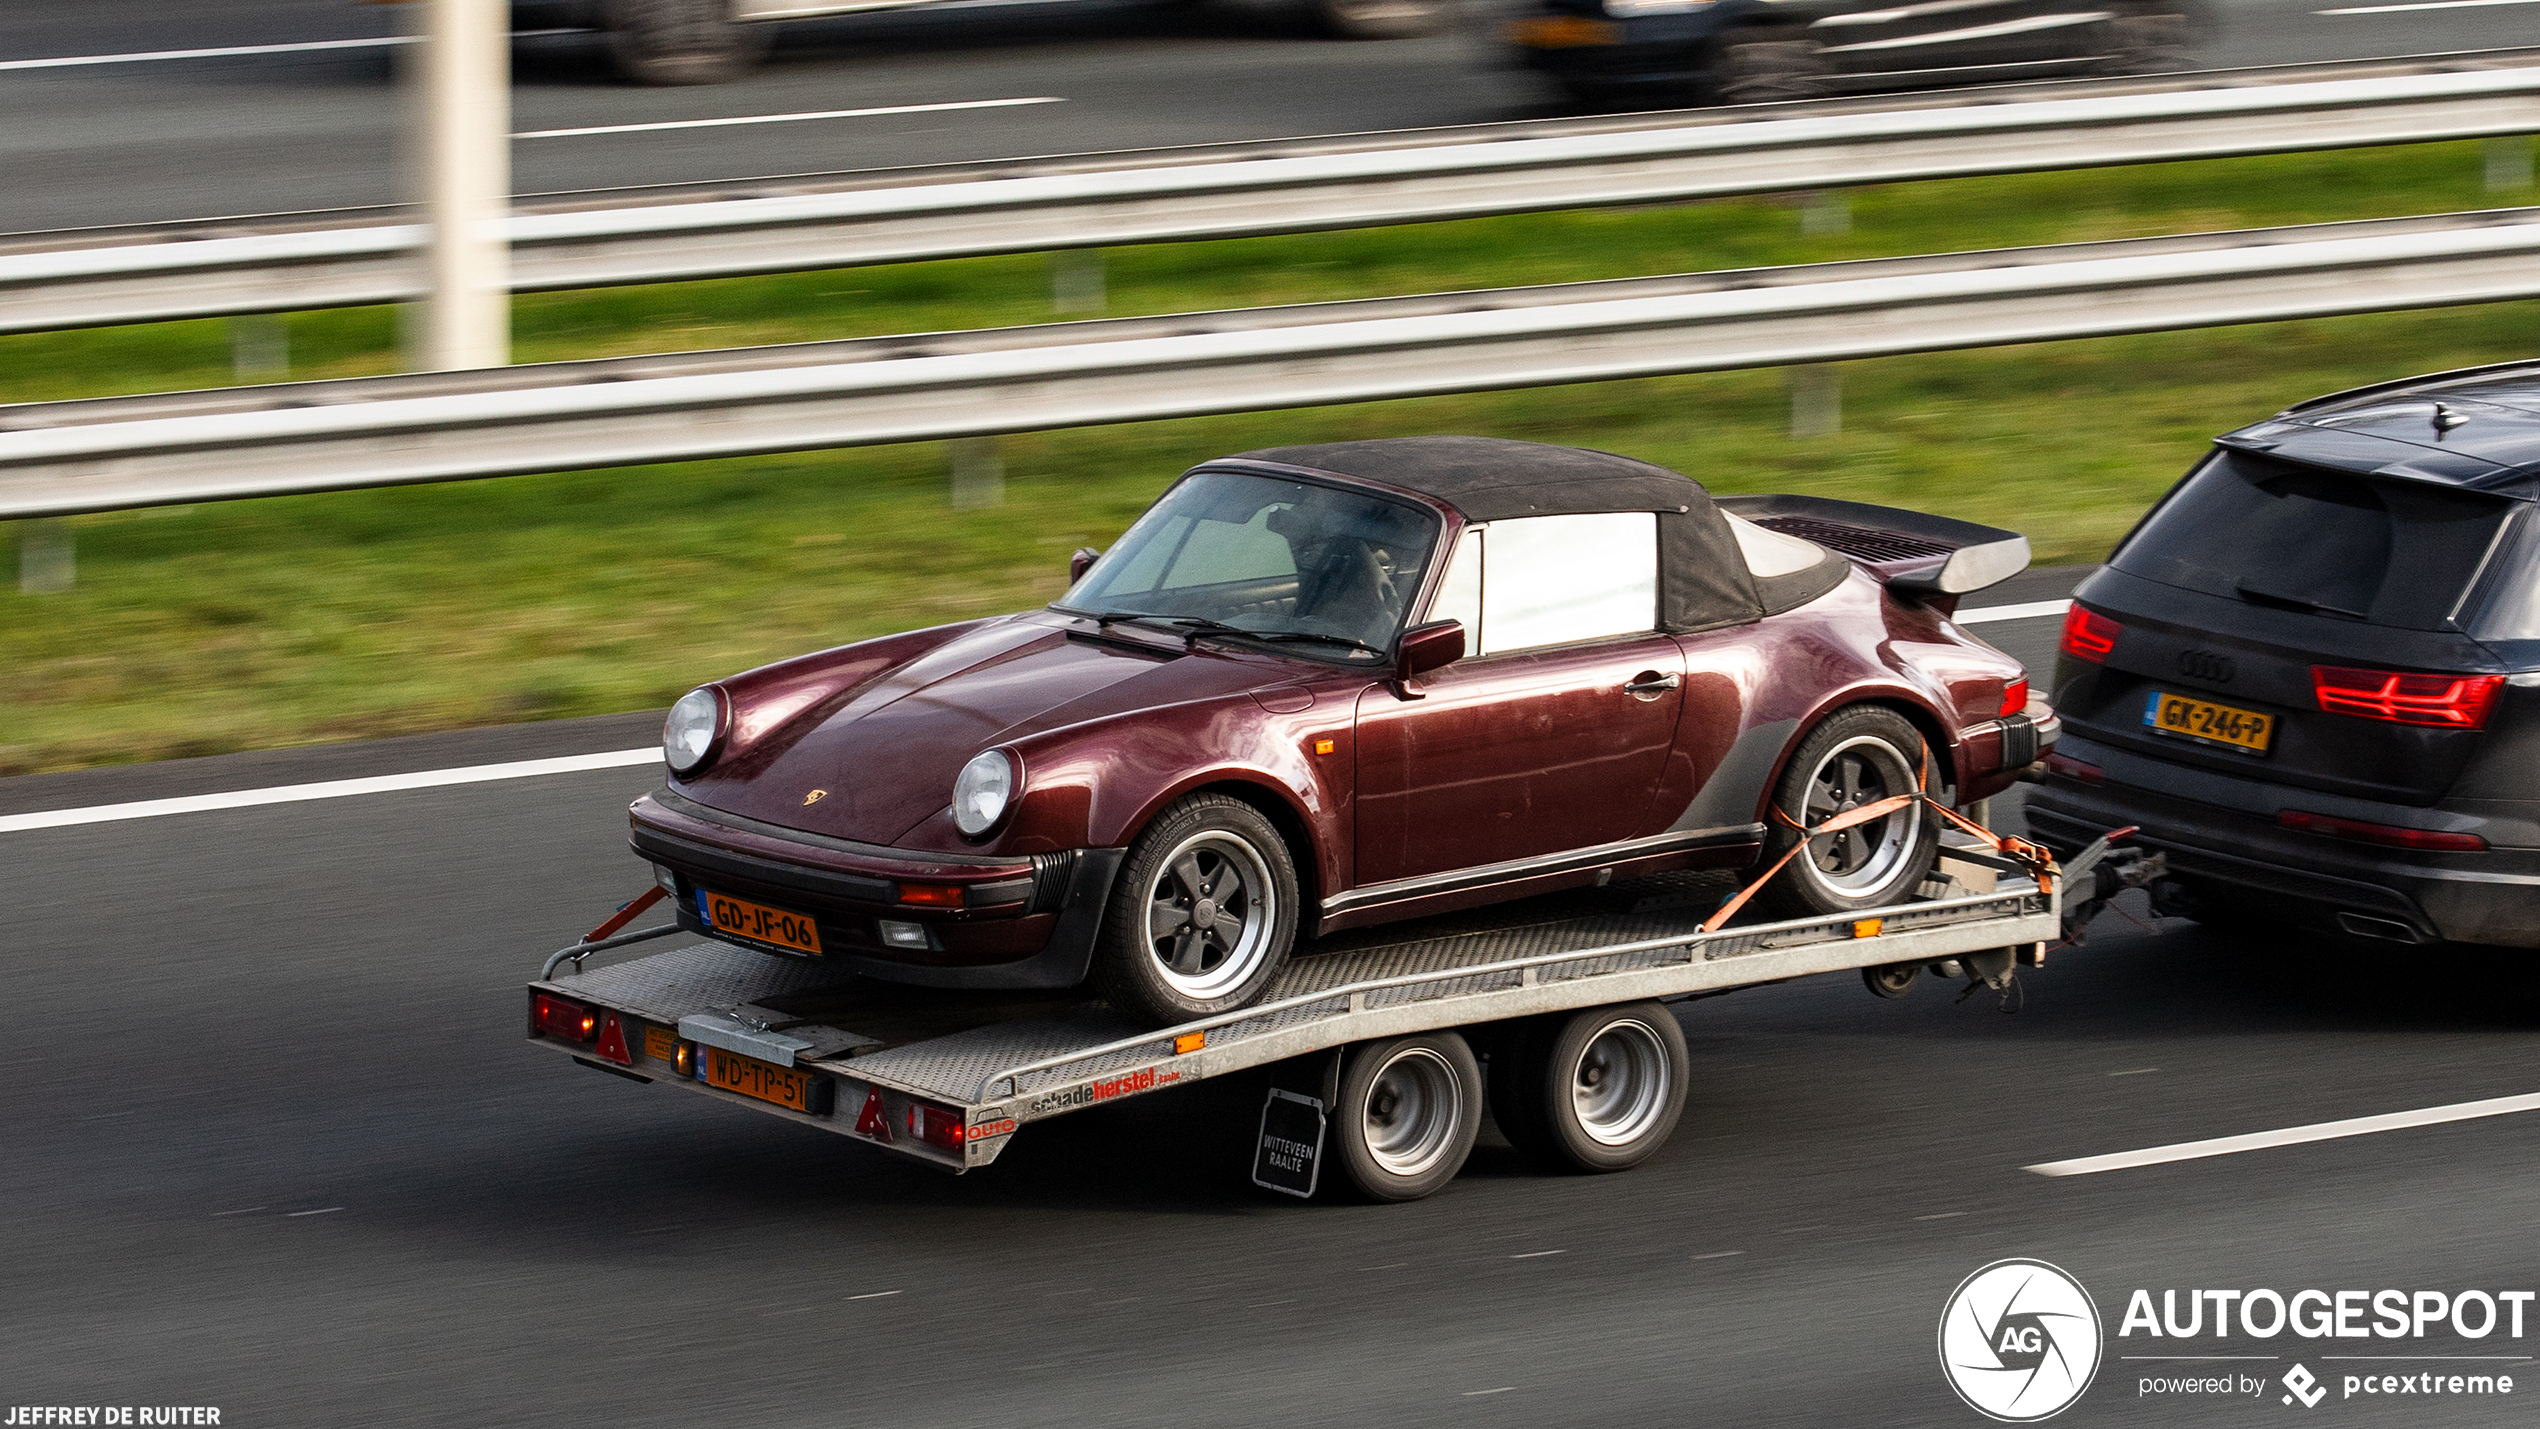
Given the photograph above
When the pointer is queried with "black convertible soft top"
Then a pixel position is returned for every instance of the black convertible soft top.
(1703, 580)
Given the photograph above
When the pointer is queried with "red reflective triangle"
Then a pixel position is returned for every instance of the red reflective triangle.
(613, 1042)
(873, 1121)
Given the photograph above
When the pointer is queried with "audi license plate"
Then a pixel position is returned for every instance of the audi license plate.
(2238, 730)
(759, 923)
(753, 1078)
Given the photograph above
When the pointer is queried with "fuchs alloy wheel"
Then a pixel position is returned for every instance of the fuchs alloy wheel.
(1380, 19)
(1765, 68)
(1203, 915)
(681, 41)
(1599, 1090)
(1409, 1110)
(1857, 756)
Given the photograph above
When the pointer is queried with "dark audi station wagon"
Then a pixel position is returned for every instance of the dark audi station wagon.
(2312, 674)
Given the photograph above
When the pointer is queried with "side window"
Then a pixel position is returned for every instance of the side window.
(1460, 598)
(1220, 551)
(1556, 579)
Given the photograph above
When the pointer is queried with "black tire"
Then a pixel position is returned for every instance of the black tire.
(1893, 980)
(1599, 1090)
(1409, 1110)
(1166, 958)
(1380, 19)
(1765, 67)
(1858, 754)
(681, 41)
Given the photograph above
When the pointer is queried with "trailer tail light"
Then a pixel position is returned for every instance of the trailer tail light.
(2386, 835)
(562, 1020)
(937, 1126)
(931, 895)
(2014, 697)
(2078, 770)
(2088, 635)
(2442, 701)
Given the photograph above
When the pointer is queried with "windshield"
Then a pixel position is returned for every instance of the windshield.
(2391, 552)
(1267, 556)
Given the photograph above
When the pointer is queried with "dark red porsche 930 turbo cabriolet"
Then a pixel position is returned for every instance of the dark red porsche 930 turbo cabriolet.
(1319, 687)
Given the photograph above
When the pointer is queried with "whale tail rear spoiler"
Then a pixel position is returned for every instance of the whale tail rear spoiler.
(1915, 553)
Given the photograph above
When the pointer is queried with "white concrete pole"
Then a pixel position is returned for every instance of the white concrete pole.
(460, 111)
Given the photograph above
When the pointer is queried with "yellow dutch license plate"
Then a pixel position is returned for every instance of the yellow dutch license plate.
(760, 923)
(2243, 731)
(753, 1078)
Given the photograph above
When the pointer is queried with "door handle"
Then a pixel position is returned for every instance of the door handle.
(1649, 685)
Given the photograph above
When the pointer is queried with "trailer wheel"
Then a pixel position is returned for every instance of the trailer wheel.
(1599, 1090)
(1857, 755)
(681, 41)
(1409, 1110)
(1203, 915)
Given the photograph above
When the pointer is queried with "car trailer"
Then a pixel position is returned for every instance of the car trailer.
(1371, 1047)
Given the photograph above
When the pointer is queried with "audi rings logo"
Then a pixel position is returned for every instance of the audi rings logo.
(2205, 665)
(2019, 1341)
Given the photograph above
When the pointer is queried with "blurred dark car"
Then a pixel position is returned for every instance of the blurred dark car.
(1317, 688)
(1658, 53)
(2312, 674)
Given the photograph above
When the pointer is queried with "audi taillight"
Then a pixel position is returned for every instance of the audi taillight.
(2015, 697)
(2441, 701)
(938, 1126)
(2088, 635)
(565, 1021)
(2386, 835)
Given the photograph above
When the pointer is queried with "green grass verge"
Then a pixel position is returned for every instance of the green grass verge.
(265, 623)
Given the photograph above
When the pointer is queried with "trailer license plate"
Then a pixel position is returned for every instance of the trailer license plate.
(759, 923)
(2239, 730)
(753, 1078)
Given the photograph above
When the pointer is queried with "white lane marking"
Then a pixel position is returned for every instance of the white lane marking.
(1973, 32)
(874, 1295)
(2289, 1136)
(2135, 1072)
(242, 1211)
(331, 789)
(1477, 1393)
(1534, 1255)
(325, 1211)
(787, 118)
(225, 51)
(1984, 614)
(2422, 5)
(1719, 1254)
(533, 768)
(1941, 1216)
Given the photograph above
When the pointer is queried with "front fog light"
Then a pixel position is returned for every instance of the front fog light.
(979, 795)
(905, 935)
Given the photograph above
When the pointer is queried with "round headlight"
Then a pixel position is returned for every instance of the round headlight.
(980, 794)
(689, 735)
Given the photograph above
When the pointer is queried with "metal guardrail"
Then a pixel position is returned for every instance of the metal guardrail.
(97, 276)
(111, 453)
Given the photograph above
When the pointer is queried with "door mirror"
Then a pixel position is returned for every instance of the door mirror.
(1427, 647)
(1080, 563)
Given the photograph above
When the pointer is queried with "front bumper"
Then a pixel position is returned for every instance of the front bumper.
(2241, 858)
(1027, 922)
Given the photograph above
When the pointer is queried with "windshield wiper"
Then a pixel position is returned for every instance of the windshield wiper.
(2268, 597)
(1314, 637)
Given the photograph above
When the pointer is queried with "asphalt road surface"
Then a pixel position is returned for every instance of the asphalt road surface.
(273, 1143)
(175, 138)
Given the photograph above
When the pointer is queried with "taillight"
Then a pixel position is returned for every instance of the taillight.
(2387, 835)
(939, 1126)
(565, 1021)
(2443, 701)
(2089, 635)
(931, 895)
(2076, 770)
(2015, 697)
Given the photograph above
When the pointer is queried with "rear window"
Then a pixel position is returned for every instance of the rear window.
(2396, 553)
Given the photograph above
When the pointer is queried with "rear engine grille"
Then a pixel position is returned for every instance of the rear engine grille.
(1858, 542)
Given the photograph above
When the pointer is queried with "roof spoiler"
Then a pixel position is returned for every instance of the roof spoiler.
(1914, 552)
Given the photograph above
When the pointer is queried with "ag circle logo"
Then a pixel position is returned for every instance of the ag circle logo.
(2019, 1340)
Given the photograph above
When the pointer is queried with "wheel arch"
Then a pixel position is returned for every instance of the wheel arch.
(1913, 709)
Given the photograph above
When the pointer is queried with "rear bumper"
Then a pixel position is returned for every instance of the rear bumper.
(2302, 880)
(1023, 922)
